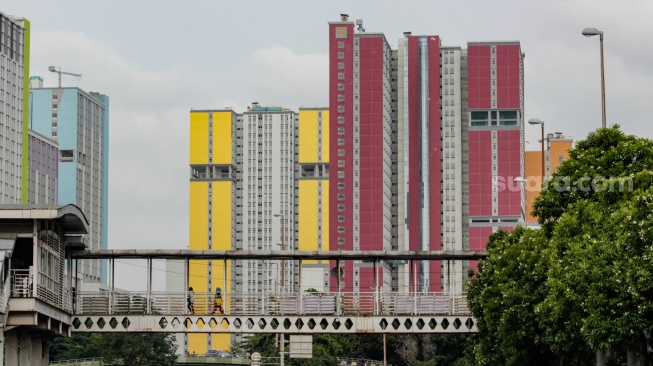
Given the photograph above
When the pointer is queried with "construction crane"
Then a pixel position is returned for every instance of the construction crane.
(53, 69)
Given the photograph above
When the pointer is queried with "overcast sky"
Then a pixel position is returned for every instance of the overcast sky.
(158, 59)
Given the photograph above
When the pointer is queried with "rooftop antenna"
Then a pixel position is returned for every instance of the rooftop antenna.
(53, 69)
(359, 23)
(344, 17)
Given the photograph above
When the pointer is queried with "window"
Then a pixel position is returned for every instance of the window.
(341, 241)
(341, 142)
(341, 109)
(341, 65)
(341, 174)
(479, 118)
(341, 208)
(341, 86)
(341, 119)
(341, 218)
(341, 76)
(341, 185)
(508, 118)
(341, 196)
(341, 55)
(341, 131)
(341, 152)
(341, 44)
(341, 229)
(66, 155)
(341, 163)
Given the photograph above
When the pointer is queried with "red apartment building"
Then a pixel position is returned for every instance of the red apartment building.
(426, 141)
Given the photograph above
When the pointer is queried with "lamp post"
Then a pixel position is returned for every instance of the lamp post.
(537, 121)
(283, 247)
(589, 32)
(282, 338)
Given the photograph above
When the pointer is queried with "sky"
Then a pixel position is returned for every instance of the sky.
(157, 60)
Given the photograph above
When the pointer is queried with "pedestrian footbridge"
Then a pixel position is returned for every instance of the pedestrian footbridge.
(291, 313)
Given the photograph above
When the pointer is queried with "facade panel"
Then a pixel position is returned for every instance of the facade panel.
(199, 143)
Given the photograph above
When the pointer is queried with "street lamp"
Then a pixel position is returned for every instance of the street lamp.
(589, 32)
(537, 121)
(283, 247)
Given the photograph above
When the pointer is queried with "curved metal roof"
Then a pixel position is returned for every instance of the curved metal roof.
(70, 217)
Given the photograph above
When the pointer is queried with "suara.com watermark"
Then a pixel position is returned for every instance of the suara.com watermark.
(564, 184)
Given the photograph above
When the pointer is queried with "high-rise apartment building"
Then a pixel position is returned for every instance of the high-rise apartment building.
(79, 122)
(258, 181)
(556, 151)
(440, 128)
(14, 99)
(312, 198)
(360, 176)
(495, 92)
(43, 169)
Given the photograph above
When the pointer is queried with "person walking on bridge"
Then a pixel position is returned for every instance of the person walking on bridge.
(218, 304)
(190, 299)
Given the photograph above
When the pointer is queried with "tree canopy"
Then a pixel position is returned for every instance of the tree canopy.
(584, 282)
(141, 349)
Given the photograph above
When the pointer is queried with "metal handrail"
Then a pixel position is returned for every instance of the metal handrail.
(271, 303)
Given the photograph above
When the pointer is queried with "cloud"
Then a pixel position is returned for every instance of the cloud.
(296, 79)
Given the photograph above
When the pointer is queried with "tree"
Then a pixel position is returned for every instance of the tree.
(142, 349)
(79, 345)
(503, 295)
(602, 274)
(606, 154)
(602, 174)
(407, 348)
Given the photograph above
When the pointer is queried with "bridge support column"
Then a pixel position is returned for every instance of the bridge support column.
(25, 349)
(11, 348)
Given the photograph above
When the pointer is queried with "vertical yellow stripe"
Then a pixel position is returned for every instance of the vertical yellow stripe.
(308, 141)
(325, 215)
(199, 137)
(222, 137)
(307, 211)
(325, 135)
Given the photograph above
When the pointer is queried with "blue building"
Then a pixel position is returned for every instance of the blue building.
(79, 122)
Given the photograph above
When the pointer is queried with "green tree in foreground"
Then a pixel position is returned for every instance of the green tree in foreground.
(503, 296)
(142, 349)
(584, 281)
(138, 349)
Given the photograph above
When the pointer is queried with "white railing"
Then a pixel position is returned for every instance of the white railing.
(352, 304)
(75, 360)
(21, 283)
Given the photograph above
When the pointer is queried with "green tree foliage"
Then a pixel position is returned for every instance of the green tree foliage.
(142, 349)
(139, 349)
(79, 345)
(503, 297)
(432, 349)
(586, 280)
(602, 271)
(606, 154)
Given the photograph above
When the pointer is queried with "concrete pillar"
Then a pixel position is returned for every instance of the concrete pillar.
(11, 348)
(25, 353)
(36, 358)
(2, 346)
(45, 351)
